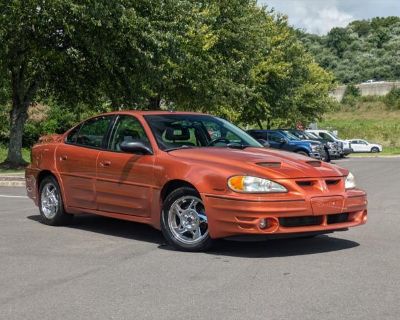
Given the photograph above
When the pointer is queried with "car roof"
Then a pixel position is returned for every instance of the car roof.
(154, 112)
(317, 130)
(264, 130)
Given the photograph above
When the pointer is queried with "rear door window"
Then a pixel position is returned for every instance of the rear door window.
(92, 133)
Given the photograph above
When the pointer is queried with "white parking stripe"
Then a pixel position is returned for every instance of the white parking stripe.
(8, 196)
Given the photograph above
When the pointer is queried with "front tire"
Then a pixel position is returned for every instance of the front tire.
(374, 150)
(51, 204)
(327, 157)
(184, 220)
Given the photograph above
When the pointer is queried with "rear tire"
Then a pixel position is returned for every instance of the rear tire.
(51, 204)
(184, 221)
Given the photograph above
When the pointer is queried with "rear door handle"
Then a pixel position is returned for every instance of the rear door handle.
(105, 163)
(63, 157)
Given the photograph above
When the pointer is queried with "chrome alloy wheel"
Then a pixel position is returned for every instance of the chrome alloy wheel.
(49, 200)
(187, 220)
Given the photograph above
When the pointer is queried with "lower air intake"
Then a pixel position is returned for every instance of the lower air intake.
(291, 222)
(338, 218)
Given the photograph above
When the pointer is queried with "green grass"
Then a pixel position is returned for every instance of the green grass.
(369, 119)
(26, 154)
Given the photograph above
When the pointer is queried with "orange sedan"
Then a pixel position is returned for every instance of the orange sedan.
(194, 176)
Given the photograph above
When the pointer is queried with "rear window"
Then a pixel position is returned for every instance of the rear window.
(90, 133)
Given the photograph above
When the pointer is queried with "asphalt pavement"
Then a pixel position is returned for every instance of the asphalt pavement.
(100, 268)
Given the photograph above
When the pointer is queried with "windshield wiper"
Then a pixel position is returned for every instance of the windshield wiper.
(177, 148)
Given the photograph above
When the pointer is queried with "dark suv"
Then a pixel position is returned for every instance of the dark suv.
(284, 140)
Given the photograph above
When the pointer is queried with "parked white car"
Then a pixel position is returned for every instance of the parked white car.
(359, 145)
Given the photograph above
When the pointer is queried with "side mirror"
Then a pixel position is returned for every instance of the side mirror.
(135, 147)
(264, 143)
(282, 140)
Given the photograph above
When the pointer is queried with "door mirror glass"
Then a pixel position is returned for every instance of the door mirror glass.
(136, 147)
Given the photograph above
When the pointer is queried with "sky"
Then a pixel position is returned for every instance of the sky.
(319, 16)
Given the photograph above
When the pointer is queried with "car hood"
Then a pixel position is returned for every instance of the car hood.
(313, 142)
(259, 161)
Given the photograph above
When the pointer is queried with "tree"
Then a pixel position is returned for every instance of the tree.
(338, 40)
(363, 50)
(83, 52)
(230, 57)
(125, 54)
(288, 85)
(36, 58)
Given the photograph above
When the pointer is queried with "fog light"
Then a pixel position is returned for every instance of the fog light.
(364, 216)
(263, 223)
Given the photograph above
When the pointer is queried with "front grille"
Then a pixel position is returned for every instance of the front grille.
(291, 222)
(338, 218)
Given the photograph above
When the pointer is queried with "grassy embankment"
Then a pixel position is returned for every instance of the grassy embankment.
(368, 119)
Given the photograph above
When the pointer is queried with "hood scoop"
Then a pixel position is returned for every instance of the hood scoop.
(314, 163)
(269, 164)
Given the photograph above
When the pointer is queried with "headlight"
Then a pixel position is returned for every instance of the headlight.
(254, 185)
(315, 147)
(350, 182)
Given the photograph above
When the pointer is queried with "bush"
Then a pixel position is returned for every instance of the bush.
(48, 120)
(392, 99)
(351, 95)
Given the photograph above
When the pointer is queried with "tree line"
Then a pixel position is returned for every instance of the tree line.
(232, 58)
(364, 50)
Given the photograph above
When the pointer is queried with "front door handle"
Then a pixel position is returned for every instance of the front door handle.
(105, 163)
(63, 157)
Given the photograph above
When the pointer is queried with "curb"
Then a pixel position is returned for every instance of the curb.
(12, 181)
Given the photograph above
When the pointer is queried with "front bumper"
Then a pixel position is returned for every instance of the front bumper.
(347, 151)
(234, 216)
(334, 153)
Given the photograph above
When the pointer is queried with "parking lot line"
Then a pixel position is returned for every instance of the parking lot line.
(11, 196)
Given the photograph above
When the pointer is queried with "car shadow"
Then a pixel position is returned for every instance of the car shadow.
(281, 247)
(114, 227)
(245, 249)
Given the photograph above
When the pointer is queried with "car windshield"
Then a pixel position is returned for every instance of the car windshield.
(311, 135)
(290, 136)
(334, 135)
(302, 135)
(176, 131)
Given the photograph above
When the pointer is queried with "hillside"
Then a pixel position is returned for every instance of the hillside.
(365, 49)
(370, 119)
